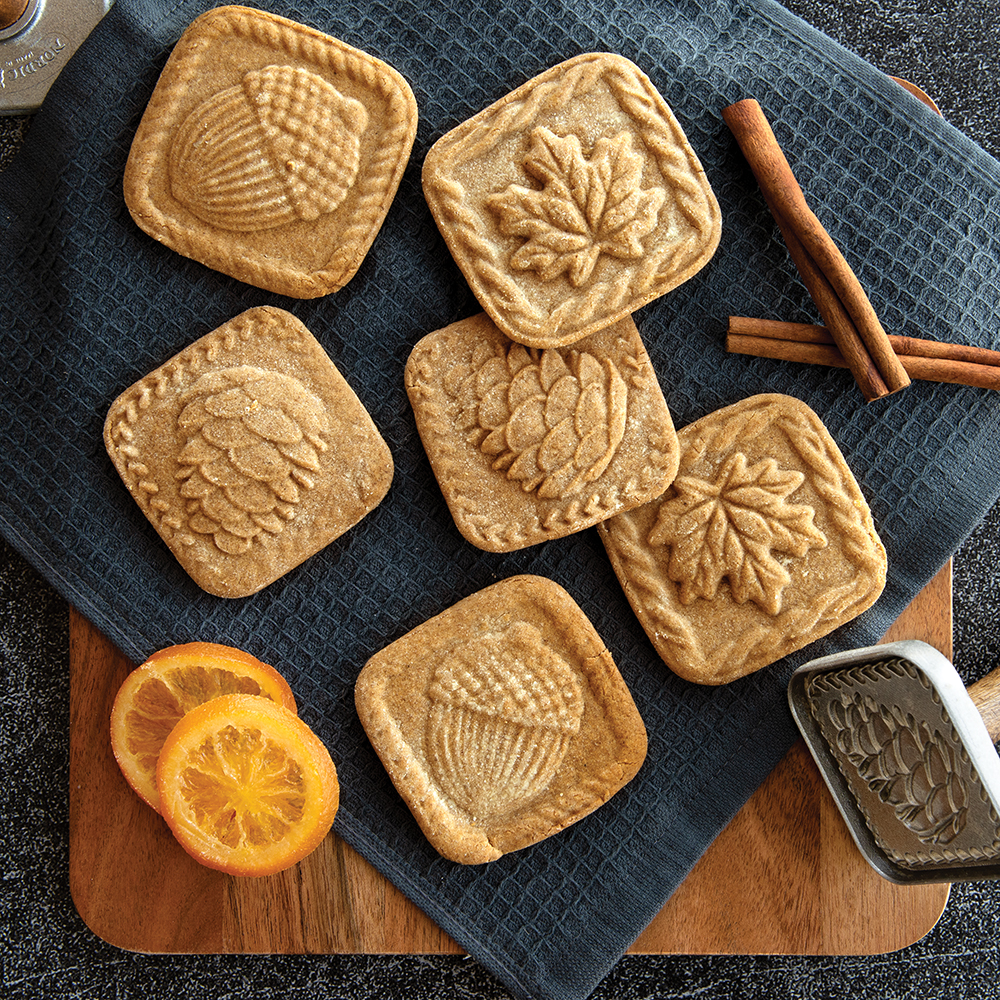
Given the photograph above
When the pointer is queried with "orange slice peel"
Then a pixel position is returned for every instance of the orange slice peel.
(156, 695)
(246, 786)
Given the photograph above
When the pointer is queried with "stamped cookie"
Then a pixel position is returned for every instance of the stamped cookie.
(248, 452)
(763, 543)
(270, 151)
(529, 444)
(502, 720)
(572, 201)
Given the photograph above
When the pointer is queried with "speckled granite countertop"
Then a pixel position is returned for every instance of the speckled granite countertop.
(952, 50)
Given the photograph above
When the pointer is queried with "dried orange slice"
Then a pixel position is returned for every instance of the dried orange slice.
(170, 683)
(246, 786)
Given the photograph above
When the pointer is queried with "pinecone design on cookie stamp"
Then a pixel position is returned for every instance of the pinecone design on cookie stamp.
(908, 763)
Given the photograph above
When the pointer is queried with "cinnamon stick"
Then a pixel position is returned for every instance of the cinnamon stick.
(837, 319)
(838, 294)
(809, 344)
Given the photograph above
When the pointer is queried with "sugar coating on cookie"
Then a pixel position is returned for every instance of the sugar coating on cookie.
(248, 452)
(762, 544)
(530, 444)
(270, 151)
(572, 201)
(502, 720)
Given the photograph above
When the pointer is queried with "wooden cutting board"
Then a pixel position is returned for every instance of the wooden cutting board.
(783, 878)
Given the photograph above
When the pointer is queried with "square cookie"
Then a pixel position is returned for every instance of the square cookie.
(572, 201)
(762, 544)
(502, 720)
(529, 444)
(270, 151)
(248, 452)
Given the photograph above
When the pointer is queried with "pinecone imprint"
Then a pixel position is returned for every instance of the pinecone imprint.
(908, 765)
(281, 146)
(504, 709)
(550, 423)
(252, 442)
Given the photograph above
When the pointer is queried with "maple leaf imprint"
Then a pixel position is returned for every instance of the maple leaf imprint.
(731, 528)
(586, 206)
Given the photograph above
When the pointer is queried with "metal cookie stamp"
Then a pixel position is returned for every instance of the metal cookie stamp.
(908, 755)
(37, 37)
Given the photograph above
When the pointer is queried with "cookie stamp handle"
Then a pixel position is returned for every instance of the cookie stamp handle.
(37, 37)
(985, 695)
(11, 11)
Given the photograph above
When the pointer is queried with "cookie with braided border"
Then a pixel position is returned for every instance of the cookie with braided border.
(572, 201)
(296, 136)
(248, 452)
(529, 445)
(778, 498)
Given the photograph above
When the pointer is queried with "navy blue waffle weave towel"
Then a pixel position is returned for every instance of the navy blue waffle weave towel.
(89, 304)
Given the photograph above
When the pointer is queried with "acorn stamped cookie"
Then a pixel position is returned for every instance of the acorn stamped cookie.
(502, 720)
(530, 444)
(762, 544)
(270, 151)
(248, 452)
(572, 201)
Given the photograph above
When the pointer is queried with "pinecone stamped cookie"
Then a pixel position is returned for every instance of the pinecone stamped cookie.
(572, 201)
(530, 444)
(762, 544)
(270, 151)
(248, 452)
(502, 720)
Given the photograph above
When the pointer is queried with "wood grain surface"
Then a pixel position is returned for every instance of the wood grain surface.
(783, 878)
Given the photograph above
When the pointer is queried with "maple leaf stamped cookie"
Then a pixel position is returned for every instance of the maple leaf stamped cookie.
(572, 201)
(502, 720)
(270, 151)
(248, 452)
(529, 444)
(762, 544)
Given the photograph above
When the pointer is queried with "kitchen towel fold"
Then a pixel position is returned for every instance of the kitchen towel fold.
(89, 304)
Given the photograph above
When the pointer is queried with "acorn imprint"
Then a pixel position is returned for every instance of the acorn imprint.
(281, 146)
(253, 440)
(504, 709)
